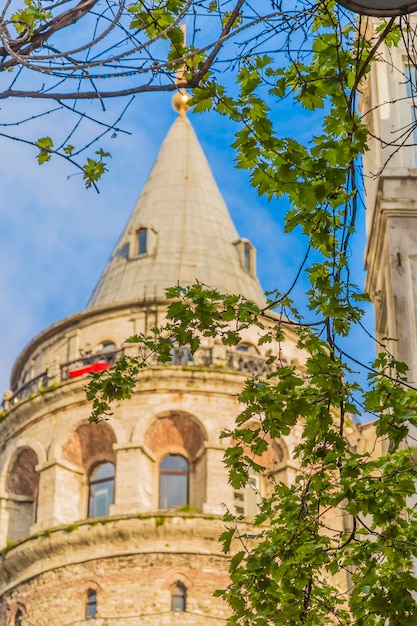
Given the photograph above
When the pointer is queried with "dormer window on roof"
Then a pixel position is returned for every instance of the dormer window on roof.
(247, 256)
(246, 253)
(142, 242)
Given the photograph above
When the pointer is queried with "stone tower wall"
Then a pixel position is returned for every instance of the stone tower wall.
(131, 563)
(53, 553)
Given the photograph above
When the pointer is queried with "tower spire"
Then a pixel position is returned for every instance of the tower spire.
(179, 231)
(181, 97)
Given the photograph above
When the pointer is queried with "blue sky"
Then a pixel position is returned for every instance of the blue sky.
(56, 236)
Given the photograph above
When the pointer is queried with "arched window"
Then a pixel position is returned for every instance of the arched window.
(22, 480)
(106, 346)
(91, 604)
(173, 481)
(101, 490)
(18, 618)
(178, 597)
(245, 346)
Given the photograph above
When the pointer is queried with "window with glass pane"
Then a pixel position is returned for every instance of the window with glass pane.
(411, 75)
(247, 257)
(101, 491)
(173, 481)
(178, 597)
(91, 605)
(246, 499)
(244, 346)
(142, 240)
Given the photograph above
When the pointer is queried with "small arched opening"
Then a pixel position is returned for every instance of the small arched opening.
(179, 597)
(106, 346)
(245, 346)
(91, 604)
(18, 618)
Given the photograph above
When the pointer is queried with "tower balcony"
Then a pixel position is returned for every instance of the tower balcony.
(240, 360)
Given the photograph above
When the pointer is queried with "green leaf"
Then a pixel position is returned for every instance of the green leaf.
(45, 145)
(93, 171)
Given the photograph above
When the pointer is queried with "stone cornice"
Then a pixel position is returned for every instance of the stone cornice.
(110, 538)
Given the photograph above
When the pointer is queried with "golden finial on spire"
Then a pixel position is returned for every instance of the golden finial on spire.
(181, 97)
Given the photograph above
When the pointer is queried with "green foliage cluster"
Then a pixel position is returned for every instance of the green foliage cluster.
(161, 23)
(337, 545)
(31, 16)
(93, 169)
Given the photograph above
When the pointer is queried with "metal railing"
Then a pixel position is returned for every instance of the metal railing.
(32, 387)
(247, 362)
(244, 362)
(181, 355)
(83, 362)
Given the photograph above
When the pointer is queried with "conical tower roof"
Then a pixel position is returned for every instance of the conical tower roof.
(180, 231)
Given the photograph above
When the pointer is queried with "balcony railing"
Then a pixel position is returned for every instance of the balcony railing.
(79, 367)
(32, 387)
(91, 363)
(237, 360)
(248, 362)
(182, 356)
